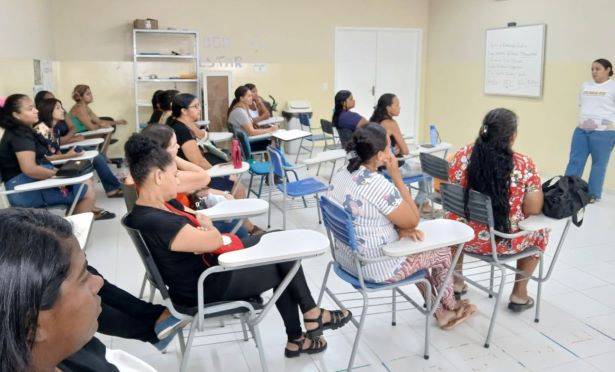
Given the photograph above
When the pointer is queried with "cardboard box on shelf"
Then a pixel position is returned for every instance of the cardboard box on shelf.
(148, 23)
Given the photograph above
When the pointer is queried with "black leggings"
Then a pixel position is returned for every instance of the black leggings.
(251, 282)
(124, 315)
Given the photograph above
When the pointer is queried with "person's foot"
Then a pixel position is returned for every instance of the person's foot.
(169, 326)
(518, 305)
(327, 319)
(101, 214)
(118, 193)
(593, 200)
(449, 319)
(307, 345)
(257, 231)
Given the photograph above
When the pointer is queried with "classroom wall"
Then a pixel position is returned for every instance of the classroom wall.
(578, 32)
(294, 38)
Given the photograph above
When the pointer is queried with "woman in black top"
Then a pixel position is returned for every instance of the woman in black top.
(23, 160)
(182, 244)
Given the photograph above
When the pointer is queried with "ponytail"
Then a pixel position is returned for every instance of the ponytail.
(380, 111)
(241, 91)
(338, 108)
(365, 143)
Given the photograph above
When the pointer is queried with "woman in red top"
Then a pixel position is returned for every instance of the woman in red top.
(491, 167)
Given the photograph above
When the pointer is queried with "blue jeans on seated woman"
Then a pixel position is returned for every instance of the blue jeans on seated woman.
(227, 226)
(41, 198)
(600, 145)
(109, 182)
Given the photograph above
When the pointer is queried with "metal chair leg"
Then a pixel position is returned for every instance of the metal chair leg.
(318, 209)
(184, 364)
(250, 185)
(357, 339)
(491, 280)
(394, 308)
(539, 292)
(261, 352)
(260, 187)
(244, 330)
(324, 283)
(182, 341)
(283, 212)
(143, 285)
(152, 292)
(495, 306)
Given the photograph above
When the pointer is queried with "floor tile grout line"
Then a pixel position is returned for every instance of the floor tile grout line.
(560, 345)
(599, 331)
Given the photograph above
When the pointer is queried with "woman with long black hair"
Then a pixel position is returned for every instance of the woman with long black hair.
(343, 119)
(510, 179)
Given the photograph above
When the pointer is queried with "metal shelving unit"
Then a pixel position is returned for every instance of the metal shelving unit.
(146, 64)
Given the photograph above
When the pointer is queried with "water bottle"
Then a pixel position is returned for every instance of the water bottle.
(236, 154)
(433, 134)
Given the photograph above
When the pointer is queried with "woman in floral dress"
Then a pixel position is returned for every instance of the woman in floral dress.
(491, 167)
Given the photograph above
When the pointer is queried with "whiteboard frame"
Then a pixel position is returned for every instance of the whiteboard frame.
(542, 65)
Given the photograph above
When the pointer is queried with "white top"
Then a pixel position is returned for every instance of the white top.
(324, 156)
(86, 155)
(53, 182)
(290, 135)
(597, 103)
(84, 143)
(278, 246)
(96, 132)
(438, 234)
(242, 208)
(82, 225)
(369, 198)
(125, 362)
(227, 169)
(272, 120)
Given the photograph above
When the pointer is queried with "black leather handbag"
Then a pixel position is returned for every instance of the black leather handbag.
(75, 168)
(564, 197)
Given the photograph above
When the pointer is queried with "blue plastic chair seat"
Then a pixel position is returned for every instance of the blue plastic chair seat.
(315, 137)
(354, 281)
(260, 167)
(303, 187)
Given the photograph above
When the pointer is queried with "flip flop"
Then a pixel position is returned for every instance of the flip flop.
(517, 308)
(103, 215)
(464, 290)
(466, 312)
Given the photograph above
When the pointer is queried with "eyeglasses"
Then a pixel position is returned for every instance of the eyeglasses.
(197, 106)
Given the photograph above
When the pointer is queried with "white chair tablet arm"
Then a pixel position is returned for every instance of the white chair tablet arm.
(87, 155)
(96, 132)
(260, 137)
(82, 226)
(240, 208)
(438, 233)
(276, 247)
(49, 183)
(227, 169)
(84, 143)
(539, 222)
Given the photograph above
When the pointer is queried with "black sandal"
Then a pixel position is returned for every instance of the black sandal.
(318, 345)
(103, 215)
(517, 308)
(338, 320)
(458, 295)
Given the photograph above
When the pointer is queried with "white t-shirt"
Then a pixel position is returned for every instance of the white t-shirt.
(597, 103)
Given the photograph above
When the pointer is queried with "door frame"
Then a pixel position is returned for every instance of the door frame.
(206, 73)
(419, 70)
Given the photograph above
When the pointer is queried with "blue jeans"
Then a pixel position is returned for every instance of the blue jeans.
(226, 226)
(107, 178)
(600, 145)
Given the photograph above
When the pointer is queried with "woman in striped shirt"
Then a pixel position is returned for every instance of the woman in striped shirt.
(382, 213)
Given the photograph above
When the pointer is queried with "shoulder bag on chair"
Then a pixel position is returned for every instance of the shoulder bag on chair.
(564, 197)
(212, 149)
(75, 168)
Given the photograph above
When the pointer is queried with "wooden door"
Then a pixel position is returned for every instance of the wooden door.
(217, 102)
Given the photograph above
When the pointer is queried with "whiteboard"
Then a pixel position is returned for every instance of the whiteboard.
(514, 60)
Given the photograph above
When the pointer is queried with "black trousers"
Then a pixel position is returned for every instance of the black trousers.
(251, 282)
(124, 315)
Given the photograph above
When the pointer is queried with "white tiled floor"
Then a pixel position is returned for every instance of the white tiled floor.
(576, 331)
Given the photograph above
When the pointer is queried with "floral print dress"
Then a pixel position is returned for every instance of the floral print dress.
(524, 179)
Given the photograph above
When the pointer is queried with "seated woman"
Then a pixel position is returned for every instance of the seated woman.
(23, 160)
(343, 119)
(382, 212)
(82, 115)
(186, 111)
(51, 112)
(239, 117)
(258, 110)
(157, 111)
(182, 244)
(193, 179)
(386, 109)
(49, 299)
(510, 179)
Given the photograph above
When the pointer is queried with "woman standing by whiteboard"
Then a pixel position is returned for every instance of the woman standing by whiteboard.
(595, 133)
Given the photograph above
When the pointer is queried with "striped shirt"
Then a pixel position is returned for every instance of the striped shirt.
(369, 198)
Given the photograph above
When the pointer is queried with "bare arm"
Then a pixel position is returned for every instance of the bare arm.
(92, 123)
(263, 113)
(533, 202)
(362, 122)
(191, 176)
(393, 130)
(406, 215)
(251, 131)
(196, 240)
(193, 154)
(28, 166)
(70, 154)
(71, 136)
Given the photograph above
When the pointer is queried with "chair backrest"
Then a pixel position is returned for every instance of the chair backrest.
(231, 128)
(146, 257)
(244, 142)
(338, 223)
(434, 166)
(130, 196)
(327, 126)
(277, 159)
(479, 205)
(345, 136)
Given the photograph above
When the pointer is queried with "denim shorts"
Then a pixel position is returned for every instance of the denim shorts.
(41, 198)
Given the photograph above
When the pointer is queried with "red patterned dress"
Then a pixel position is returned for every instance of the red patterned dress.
(523, 179)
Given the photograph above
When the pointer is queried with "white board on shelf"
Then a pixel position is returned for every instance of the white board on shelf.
(514, 60)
